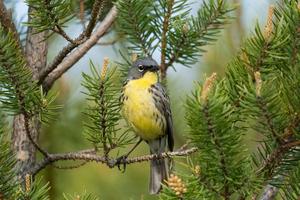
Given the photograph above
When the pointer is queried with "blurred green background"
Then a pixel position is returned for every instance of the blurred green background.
(65, 134)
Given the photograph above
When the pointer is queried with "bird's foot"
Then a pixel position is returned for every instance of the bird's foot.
(121, 161)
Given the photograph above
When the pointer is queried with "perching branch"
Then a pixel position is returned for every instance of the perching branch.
(111, 162)
(54, 72)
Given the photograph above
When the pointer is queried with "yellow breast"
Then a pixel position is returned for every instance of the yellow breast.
(139, 108)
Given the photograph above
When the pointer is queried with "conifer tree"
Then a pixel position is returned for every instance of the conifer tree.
(257, 95)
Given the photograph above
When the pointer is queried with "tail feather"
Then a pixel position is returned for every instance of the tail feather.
(158, 173)
(159, 167)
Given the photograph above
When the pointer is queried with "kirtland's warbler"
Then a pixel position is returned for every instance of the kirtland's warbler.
(146, 108)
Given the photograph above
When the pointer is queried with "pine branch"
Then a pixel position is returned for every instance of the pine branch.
(274, 159)
(8, 185)
(226, 194)
(135, 21)
(103, 112)
(291, 186)
(63, 62)
(49, 15)
(189, 38)
(19, 94)
(110, 162)
(215, 131)
(34, 189)
(80, 40)
(85, 196)
(267, 116)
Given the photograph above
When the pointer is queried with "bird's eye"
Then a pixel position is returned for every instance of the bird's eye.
(141, 68)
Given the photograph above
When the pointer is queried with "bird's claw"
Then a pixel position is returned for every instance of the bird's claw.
(121, 160)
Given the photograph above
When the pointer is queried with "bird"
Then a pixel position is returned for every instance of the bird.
(146, 108)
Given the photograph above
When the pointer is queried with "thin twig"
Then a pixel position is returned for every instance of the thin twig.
(71, 59)
(28, 134)
(101, 159)
(71, 166)
(82, 39)
(57, 29)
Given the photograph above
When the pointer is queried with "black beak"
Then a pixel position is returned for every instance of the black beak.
(154, 68)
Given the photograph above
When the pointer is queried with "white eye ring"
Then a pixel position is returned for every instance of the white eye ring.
(141, 68)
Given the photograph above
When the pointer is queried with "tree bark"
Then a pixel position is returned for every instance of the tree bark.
(36, 55)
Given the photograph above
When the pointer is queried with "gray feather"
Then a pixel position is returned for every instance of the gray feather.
(158, 167)
(162, 103)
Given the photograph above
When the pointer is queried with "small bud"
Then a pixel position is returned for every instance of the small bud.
(27, 183)
(197, 170)
(134, 57)
(104, 68)
(44, 103)
(207, 87)
(185, 28)
(244, 57)
(176, 184)
(269, 25)
(258, 83)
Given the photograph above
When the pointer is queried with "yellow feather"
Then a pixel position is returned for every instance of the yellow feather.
(139, 108)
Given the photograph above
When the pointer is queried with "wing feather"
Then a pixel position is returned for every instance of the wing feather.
(162, 102)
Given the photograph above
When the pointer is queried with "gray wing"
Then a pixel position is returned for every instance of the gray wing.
(122, 97)
(162, 102)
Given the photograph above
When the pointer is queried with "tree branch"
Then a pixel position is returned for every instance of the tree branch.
(111, 162)
(57, 29)
(71, 59)
(226, 194)
(270, 163)
(163, 67)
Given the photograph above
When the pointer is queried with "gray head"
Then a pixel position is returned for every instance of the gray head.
(141, 66)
